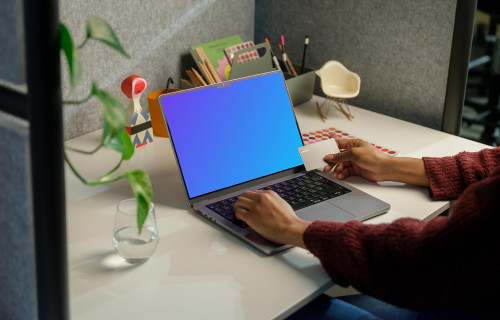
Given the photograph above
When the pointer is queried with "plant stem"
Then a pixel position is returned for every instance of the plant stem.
(83, 151)
(82, 179)
(105, 177)
(78, 101)
(103, 180)
(83, 43)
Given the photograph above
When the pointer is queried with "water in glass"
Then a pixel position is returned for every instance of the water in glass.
(132, 246)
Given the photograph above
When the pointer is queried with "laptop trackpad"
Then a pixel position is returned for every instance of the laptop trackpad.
(325, 211)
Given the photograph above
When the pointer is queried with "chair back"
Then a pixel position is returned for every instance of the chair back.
(337, 81)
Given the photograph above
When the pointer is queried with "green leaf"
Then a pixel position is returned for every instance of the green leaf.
(113, 111)
(72, 55)
(114, 135)
(143, 192)
(120, 142)
(100, 30)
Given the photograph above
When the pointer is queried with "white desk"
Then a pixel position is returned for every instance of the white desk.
(199, 271)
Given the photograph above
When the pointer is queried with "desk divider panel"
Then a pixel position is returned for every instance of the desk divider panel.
(17, 284)
(158, 36)
(400, 49)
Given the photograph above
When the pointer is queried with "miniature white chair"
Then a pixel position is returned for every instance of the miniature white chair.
(338, 84)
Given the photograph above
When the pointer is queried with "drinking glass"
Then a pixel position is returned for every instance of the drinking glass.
(132, 246)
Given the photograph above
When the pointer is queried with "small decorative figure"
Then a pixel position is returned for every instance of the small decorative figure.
(138, 124)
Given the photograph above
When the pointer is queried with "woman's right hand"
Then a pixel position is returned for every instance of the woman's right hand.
(357, 157)
(360, 158)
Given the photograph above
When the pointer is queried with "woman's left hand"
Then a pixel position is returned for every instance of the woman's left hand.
(271, 216)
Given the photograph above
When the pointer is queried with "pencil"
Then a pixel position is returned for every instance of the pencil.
(199, 77)
(186, 83)
(206, 74)
(193, 78)
(290, 64)
(212, 71)
(203, 63)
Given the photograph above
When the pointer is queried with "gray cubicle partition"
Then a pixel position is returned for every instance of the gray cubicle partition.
(412, 63)
(17, 276)
(12, 42)
(157, 34)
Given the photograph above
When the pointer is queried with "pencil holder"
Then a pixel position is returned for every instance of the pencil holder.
(300, 87)
(159, 128)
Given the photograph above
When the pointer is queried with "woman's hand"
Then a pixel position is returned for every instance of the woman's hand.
(271, 216)
(357, 157)
(360, 158)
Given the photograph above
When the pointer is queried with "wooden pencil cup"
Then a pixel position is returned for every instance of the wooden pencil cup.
(159, 127)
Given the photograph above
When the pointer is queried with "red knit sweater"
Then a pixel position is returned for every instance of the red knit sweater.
(447, 265)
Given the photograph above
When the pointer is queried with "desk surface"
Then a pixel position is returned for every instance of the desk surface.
(198, 270)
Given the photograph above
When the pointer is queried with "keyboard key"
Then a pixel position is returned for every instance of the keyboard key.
(300, 192)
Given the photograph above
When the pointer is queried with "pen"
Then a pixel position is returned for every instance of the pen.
(288, 63)
(275, 60)
(284, 53)
(306, 43)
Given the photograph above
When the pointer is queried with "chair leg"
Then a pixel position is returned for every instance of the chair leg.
(338, 104)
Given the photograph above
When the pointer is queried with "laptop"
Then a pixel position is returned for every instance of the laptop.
(241, 135)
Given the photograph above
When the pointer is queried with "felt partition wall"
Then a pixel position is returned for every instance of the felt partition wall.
(157, 35)
(400, 48)
(17, 277)
(11, 38)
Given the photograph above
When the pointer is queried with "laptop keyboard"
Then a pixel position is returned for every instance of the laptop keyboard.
(299, 192)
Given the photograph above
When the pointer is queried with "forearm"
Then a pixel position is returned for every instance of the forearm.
(393, 262)
(406, 170)
(450, 176)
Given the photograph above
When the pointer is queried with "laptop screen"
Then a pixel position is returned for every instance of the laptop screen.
(232, 132)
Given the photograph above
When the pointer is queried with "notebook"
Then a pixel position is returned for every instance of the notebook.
(224, 138)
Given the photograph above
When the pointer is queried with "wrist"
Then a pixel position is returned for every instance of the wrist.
(295, 234)
(390, 169)
(406, 170)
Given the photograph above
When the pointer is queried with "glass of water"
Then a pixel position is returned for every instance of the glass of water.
(132, 246)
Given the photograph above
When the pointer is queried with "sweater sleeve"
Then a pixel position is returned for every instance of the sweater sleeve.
(447, 264)
(450, 176)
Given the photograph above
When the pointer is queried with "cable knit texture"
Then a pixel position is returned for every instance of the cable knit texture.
(447, 265)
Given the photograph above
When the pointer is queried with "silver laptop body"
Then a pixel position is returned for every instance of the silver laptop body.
(202, 126)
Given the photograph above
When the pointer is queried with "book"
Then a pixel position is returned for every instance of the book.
(214, 51)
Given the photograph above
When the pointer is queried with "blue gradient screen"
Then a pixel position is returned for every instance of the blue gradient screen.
(228, 134)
